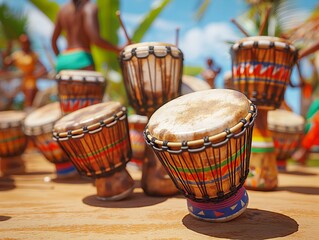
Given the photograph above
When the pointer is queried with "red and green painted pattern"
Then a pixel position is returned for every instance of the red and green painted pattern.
(12, 143)
(117, 146)
(209, 174)
(69, 104)
(51, 150)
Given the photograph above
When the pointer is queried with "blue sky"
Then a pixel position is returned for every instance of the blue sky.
(198, 39)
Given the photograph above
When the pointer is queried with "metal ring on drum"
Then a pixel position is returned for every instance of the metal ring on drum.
(203, 139)
(96, 139)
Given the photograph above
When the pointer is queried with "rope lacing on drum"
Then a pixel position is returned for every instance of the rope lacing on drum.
(133, 52)
(102, 123)
(229, 133)
(271, 45)
(184, 147)
(69, 135)
(255, 44)
(169, 50)
(165, 147)
(151, 49)
(116, 118)
(85, 129)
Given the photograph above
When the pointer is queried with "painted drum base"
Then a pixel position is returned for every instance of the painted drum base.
(220, 212)
(263, 173)
(66, 170)
(115, 187)
(12, 165)
(282, 165)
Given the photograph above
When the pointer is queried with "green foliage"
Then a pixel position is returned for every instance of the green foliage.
(148, 20)
(201, 10)
(48, 7)
(192, 70)
(12, 23)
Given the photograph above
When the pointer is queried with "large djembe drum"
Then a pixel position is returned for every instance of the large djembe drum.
(261, 69)
(287, 130)
(96, 139)
(79, 88)
(203, 140)
(152, 75)
(13, 142)
(38, 125)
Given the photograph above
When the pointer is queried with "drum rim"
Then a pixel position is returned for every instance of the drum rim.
(193, 144)
(79, 78)
(266, 42)
(13, 123)
(152, 49)
(90, 129)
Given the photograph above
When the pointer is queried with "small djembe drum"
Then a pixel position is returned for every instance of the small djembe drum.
(38, 126)
(13, 142)
(287, 129)
(136, 124)
(261, 69)
(152, 75)
(96, 139)
(203, 139)
(79, 88)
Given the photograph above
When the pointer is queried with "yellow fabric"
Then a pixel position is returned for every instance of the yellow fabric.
(26, 63)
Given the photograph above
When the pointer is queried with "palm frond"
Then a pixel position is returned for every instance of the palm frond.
(12, 22)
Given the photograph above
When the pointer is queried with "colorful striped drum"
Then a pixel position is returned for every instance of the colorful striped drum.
(38, 125)
(96, 139)
(13, 141)
(203, 139)
(79, 88)
(261, 69)
(152, 74)
(287, 130)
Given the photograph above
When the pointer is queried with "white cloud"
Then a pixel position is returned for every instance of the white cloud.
(209, 41)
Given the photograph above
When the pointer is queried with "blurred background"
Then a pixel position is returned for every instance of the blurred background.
(205, 31)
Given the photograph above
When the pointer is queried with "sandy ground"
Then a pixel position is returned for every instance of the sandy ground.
(31, 208)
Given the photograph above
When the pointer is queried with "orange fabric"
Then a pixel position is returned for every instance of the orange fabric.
(307, 90)
(312, 137)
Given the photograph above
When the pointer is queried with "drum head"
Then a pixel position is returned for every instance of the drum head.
(193, 84)
(42, 119)
(199, 114)
(87, 116)
(285, 121)
(11, 118)
(80, 75)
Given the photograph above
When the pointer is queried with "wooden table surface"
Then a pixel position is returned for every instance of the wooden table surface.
(34, 205)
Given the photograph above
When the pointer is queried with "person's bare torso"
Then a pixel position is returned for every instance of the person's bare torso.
(73, 23)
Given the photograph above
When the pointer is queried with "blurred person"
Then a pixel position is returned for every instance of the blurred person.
(211, 72)
(30, 67)
(79, 19)
(311, 139)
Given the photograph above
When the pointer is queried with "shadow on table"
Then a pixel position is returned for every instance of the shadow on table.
(298, 173)
(6, 184)
(300, 189)
(4, 218)
(73, 180)
(137, 199)
(252, 224)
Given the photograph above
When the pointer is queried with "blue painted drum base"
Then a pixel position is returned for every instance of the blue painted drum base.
(220, 212)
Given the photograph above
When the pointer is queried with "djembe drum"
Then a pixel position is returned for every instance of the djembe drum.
(96, 139)
(13, 142)
(136, 124)
(79, 88)
(203, 139)
(261, 68)
(38, 126)
(152, 75)
(287, 129)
